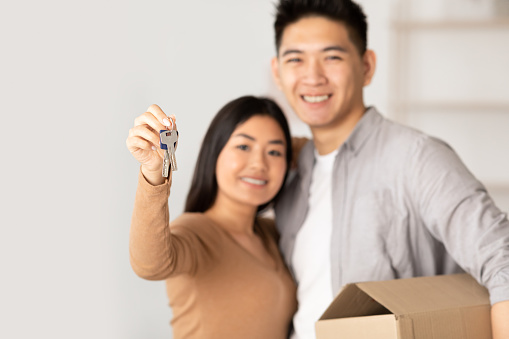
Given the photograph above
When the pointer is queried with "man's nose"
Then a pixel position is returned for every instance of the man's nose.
(314, 73)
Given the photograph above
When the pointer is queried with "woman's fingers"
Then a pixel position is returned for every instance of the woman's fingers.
(155, 118)
(149, 119)
(146, 132)
(135, 144)
(143, 138)
(161, 117)
(145, 152)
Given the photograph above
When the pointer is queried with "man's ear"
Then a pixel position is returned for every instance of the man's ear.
(275, 71)
(369, 64)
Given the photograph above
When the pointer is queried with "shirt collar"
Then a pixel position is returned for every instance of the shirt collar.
(363, 130)
(361, 133)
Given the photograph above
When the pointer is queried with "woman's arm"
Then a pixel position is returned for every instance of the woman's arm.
(149, 238)
(153, 251)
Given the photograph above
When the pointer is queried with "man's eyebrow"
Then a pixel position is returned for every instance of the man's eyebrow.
(335, 48)
(291, 51)
(326, 49)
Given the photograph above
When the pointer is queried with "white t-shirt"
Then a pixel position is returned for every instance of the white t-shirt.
(311, 256)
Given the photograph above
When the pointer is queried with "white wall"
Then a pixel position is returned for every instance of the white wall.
(73, 76)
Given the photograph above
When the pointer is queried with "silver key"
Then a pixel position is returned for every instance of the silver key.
(169, 142)
(166, 164)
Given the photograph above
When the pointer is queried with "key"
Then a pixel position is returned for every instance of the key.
(172, 147)
(166, 164)
(166, 158)
(169, 142)
(171, 150)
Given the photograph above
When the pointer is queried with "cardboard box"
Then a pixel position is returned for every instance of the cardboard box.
(441, 307)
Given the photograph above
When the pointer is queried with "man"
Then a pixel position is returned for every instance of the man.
(371, 200)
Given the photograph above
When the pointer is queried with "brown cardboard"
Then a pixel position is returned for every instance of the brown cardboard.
(441, 307)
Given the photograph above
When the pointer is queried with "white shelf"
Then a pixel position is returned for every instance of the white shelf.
(495, 23)
(451, 106)
(497, 187)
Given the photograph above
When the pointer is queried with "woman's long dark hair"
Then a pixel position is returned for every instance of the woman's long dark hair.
(203, 191)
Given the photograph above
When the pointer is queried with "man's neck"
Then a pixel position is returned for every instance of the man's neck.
(328, 139)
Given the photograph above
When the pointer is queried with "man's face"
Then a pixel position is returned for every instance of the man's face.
(321, 72)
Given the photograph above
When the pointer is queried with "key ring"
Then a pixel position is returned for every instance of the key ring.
(170, 119)
(172, 123)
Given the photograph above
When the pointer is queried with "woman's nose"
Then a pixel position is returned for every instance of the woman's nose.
(258, 160)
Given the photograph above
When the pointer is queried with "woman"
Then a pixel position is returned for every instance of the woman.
(224, 275)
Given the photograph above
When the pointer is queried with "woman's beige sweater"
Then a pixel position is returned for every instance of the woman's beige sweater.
(216, 288)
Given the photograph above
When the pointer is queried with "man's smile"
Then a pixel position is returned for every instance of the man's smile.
(316, 98)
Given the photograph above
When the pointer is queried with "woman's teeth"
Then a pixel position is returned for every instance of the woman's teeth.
(254, 181)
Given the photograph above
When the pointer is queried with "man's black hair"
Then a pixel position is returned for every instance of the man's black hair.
(344, 11)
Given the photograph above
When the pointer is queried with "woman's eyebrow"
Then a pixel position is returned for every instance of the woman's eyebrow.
(243, 135)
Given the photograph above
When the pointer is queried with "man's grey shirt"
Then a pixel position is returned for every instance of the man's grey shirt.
(404, 205)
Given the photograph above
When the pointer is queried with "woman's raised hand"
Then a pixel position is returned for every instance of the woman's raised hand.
(143, 142)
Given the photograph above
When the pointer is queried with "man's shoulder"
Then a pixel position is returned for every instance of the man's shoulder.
(398, 135)
(395, 130)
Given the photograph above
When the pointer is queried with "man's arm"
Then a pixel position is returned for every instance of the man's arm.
(297, 144)
(458, 210)
(500, 320)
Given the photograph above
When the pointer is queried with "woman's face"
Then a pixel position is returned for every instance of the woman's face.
(251, 167)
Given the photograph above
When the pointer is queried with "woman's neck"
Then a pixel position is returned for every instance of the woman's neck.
(233, 218)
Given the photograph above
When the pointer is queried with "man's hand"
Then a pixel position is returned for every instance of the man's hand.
(500, 320)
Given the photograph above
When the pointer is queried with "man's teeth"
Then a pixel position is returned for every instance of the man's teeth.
(314, 99)
(254, 181)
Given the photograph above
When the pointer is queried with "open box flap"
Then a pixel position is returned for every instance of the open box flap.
(427, 294)
(353, 302)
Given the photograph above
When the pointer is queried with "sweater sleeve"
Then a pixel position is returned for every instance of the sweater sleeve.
(157, 251)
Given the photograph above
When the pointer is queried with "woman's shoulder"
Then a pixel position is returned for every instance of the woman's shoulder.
(268, 227)
(189, 218)
(194, 222)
